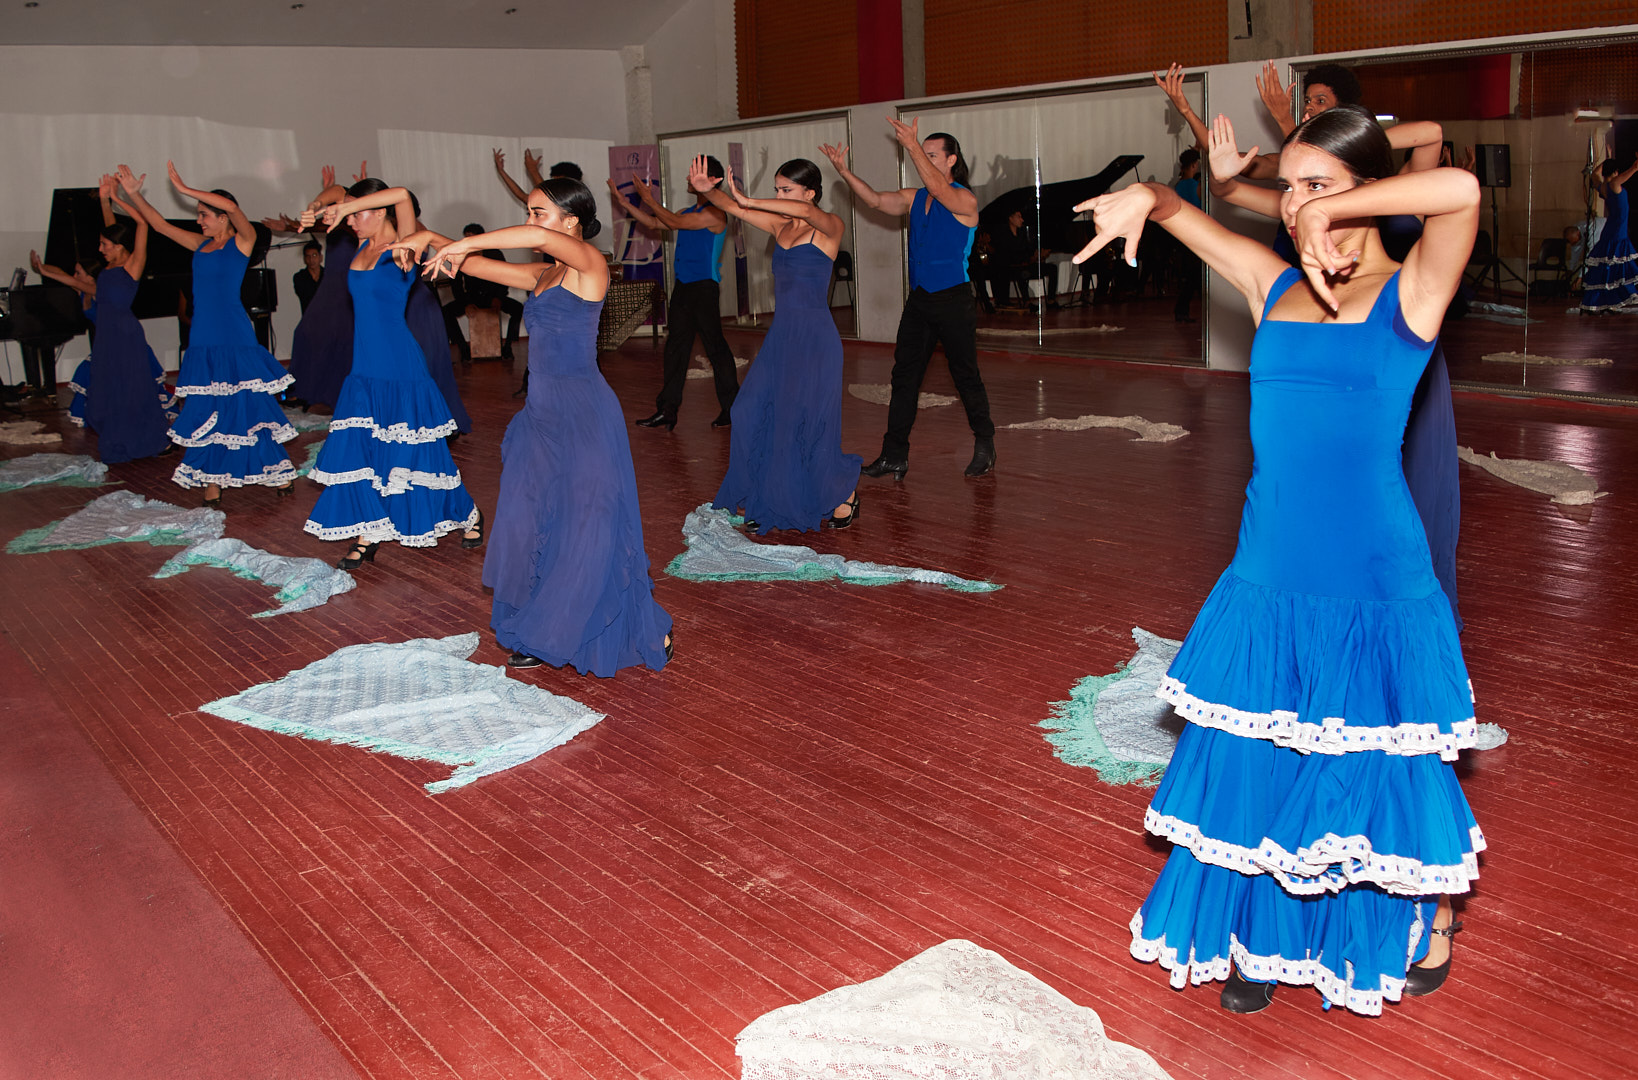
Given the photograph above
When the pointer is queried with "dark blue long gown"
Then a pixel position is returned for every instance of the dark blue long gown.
(426, 322)
(121, 405)
(566, 556)
(321, 351)
(786, 469)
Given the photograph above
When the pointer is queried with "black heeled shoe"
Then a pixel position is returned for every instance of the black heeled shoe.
(883, 467)
(286, 490)
(1241, 995)
(658, 420)
(1422, 981)
(474, 541)
(836, 522)
(216, 501)
(523, 660)
(360, 554)
(983, 461)
(724, 419)
(670, 646)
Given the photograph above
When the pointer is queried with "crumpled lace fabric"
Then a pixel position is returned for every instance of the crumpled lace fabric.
(955, 1012)
(1563, 483)
(1146, 430)
(419, 699)
(52, 469)
(719, 552)
(121, 516)
(27, 432)
(302, 583)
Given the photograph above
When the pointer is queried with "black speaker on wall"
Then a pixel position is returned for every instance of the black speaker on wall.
(260, 291)
(1493, 162)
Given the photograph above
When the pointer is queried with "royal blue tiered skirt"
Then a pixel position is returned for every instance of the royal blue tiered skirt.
(230, 422)
(1311, 799)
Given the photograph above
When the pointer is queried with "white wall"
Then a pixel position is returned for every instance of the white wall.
(692, 64)
(260, 121)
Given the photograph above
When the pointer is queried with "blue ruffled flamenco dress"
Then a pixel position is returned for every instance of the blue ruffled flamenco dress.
(1311, 801)
(385, 465)
(566, 556)
(786, 469)
(122, 405)
(79, 384)
(1610, 281)
(230, 422)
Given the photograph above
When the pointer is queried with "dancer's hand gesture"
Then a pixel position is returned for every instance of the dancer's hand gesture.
(1317, 252)
(732, 189)
(176, 179)
(35, 264)
(1276, 96)
(698, 179)
(906, 133)
(363, 171)
(836, 154)
(1117, 215)
(82, 278)
(129, 180)
(327, 177)
(1226, 159)
(105, 187)
(1171, 84)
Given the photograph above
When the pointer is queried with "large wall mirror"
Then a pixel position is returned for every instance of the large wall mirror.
(1536, 125)
(754, 152)
(1032, 158)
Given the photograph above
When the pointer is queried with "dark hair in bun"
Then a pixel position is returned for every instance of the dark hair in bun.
(122, 233)
(804, 173)
(574, 199)
(1351, 134)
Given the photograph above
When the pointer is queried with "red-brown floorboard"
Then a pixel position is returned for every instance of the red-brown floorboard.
(829, 779)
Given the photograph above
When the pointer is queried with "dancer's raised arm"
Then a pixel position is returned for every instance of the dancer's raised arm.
(1227, 163)
(664, 218)
(132, 185)
(1171, 84)
(403, 209)
(617, 200)
(105, 194)
(83, 285)
(578, 255)
(137, 260)
(511, 185)
(1276, 97)
(936, 176)
(244, 232)
(888, 202)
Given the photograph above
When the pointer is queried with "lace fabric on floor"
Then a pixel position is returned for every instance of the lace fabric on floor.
(882, 394)
(717, 551)
(302, 583)
(1564, 484)
(73, 469)
(955, 1012)
(1146, 430)
(119, 517)
(421, 700)
(27, 433)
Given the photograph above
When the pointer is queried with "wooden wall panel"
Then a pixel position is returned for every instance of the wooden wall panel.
(793, 58)
(1344, 25)
(984, 44)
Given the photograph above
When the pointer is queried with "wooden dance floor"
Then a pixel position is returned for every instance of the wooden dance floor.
(828, 780)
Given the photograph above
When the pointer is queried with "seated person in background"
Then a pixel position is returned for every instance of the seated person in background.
(1575, 256)
(1015, 258)
(471, 294)
(306, 280)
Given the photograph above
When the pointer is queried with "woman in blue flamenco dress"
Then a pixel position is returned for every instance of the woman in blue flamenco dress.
(566, 559)
(321, 349)
(786, 469)
(385, 466)
(1610, 281)
(1317, 825)
(230, 421)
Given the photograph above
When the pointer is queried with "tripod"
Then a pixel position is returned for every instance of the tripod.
(1493, 265)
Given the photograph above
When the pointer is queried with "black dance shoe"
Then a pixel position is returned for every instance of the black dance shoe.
(523, 660)
(661, 418)
(852, 504)
(474, 541)
(723, 420)
(360, 554)
(1422, 981)
(983, 462)
(670, 646)
(1241, 995)
(287, 489)
(883, 467)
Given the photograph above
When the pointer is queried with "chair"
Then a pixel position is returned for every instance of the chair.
(484, 324)
(841, 271)
(1554, 259)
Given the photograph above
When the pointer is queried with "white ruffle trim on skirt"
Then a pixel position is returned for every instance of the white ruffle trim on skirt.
(276, 475)
(398, 433)
(223, 389)
(398, 481)
(382, 530)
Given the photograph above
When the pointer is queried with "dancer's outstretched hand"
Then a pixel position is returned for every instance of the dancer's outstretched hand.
(176, 179)
(699, 180)
(1117, 215)
(732, 188)
(105, 187)
(35, 264)
(1171, 84)
(906, 133)
(1276, 96)
(836, 154)
(1226, 159)
(128, 180)
(1317, 252)
(363, 171)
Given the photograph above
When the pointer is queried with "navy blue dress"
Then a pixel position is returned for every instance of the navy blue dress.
(321, 351)
(786, 469)
(1311, 801)
(122, 405)
(566, 556)
(426, 322)
(230, 420)
(385, 466)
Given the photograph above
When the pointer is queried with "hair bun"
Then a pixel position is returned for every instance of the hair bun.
(590, 228)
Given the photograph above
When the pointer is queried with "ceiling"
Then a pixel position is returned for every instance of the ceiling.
(481, 24)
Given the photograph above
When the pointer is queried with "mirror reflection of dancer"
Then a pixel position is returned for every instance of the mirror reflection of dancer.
(1431, 466)
(786, 469)
(385, 466)
(696, 297)
(1322, 682)
(566, 556)
(121, 405)
(1610, 281)
(943, 214)
(230, 422)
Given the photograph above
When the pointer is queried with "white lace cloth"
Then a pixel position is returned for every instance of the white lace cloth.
(125, 515)
(1146, 430)
(51, 469)
(419, 699)
(955, 1012)
(882, 394)
(1563, 483)
(701, 366)
(27, 432)
(302, 583)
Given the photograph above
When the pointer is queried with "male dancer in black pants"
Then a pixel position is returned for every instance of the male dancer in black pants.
(943, 215)
(696, 266)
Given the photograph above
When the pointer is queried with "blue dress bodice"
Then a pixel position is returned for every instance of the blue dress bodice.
(219, 316)
(801, 278)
